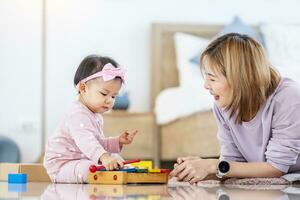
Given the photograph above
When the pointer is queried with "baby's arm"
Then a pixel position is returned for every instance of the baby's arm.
(84, 133)
(111, 144)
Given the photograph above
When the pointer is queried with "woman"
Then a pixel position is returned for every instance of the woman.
(257, 113)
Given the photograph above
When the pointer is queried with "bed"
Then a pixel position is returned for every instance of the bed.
(191, 135)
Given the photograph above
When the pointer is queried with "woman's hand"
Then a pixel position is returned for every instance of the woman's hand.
(127, 137)
(111, 162)
(194, 170)
(182, 159)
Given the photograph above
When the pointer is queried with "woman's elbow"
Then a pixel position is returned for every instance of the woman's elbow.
(278, 174)
(275, 173)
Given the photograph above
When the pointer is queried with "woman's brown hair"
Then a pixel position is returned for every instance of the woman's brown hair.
(244, 63)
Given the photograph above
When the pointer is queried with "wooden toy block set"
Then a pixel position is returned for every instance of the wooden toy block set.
(137, 172)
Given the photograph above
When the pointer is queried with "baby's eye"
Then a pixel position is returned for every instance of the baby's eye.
(212, 80)
(103, 94)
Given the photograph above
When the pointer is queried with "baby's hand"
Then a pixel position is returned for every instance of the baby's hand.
(111, 162)
(127, 137)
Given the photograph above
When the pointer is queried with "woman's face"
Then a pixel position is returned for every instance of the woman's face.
(218, 86)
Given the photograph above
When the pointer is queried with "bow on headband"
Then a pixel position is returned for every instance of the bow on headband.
(109, 72)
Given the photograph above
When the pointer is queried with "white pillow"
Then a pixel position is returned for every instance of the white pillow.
(190, 97)
(178, 102)
(186, 45)
(283, 47)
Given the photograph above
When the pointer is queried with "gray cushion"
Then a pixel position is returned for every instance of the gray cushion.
(121, 102)
(9, 150)
(236, 26)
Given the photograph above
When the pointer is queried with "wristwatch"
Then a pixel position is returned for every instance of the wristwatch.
(223, 168)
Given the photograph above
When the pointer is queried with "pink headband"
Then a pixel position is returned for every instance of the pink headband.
(109, 72)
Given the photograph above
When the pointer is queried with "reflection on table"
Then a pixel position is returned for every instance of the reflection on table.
(49, 191)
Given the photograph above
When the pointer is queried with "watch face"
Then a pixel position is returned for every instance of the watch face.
(224, 166)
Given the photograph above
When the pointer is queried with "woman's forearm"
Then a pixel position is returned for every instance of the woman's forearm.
(250, 170)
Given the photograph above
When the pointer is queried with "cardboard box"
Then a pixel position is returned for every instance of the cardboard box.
(7, 168)
(35, 172)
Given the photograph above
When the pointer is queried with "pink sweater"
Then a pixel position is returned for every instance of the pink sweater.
(78, 136)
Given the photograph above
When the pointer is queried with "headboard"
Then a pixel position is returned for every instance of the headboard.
(163, 69)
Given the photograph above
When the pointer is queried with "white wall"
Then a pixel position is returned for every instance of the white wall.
(121, 29)
(118, 28)
(20, 69)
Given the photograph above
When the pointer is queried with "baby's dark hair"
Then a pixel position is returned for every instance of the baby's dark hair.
(91, 65)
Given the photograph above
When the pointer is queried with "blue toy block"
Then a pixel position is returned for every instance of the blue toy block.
(17, 178)
(129, 170)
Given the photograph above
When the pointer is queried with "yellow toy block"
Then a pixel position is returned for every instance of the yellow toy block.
(144, 164)
(154, 170)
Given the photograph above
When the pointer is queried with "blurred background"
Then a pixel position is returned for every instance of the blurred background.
(43, 41)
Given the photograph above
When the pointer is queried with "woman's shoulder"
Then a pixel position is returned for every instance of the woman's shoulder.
(220, 113)
(287, 92)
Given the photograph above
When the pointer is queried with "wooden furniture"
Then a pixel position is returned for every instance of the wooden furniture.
(192, 135)
(35, 171)
(145, 145)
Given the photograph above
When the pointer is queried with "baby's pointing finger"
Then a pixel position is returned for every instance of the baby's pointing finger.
(134, 133)
(131, 137)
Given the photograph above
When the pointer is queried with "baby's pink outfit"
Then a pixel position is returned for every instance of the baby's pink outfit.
(77, 143)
